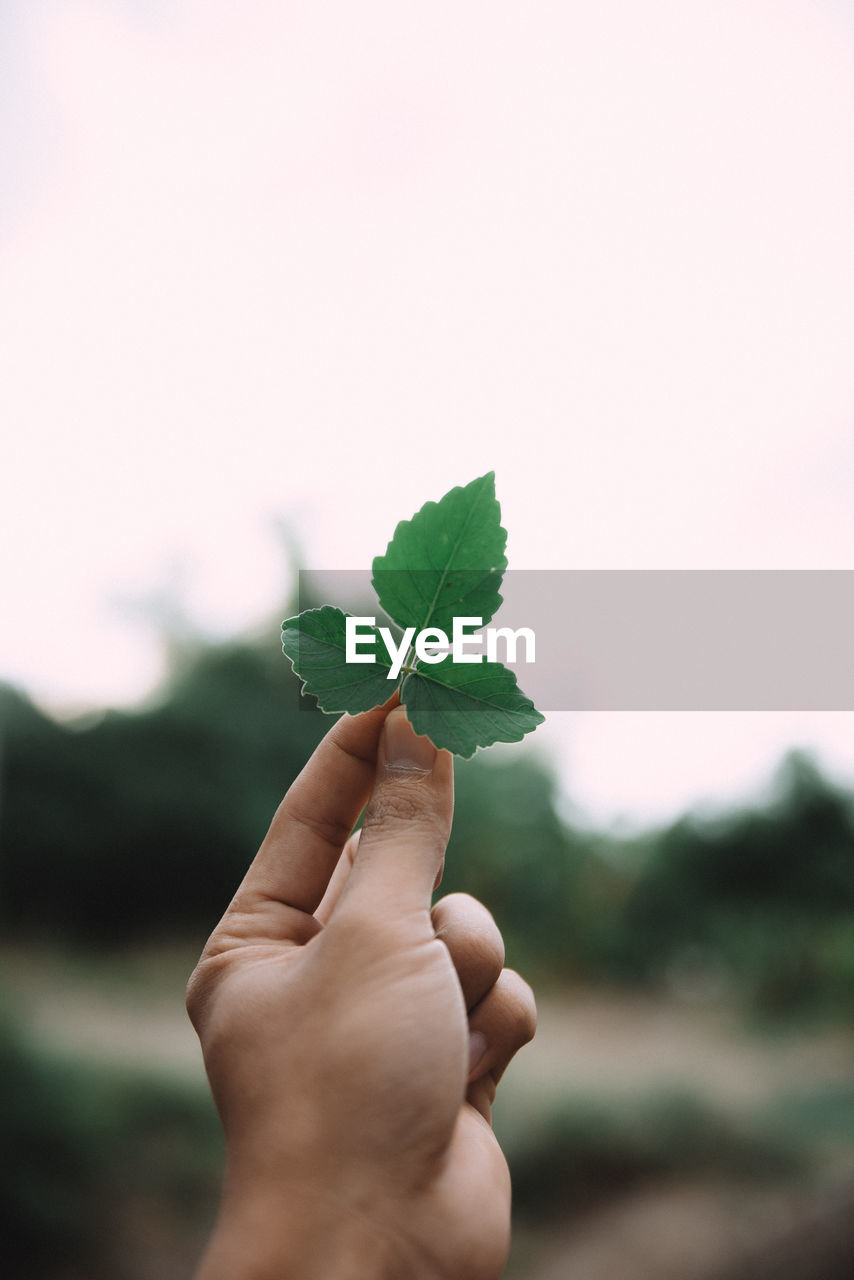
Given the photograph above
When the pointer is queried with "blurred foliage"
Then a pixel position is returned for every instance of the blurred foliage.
(137, 823)
(816, 1113)
(760, 901)
(96, 1163)
(510, 848)
(141, 823)
(586, 1150)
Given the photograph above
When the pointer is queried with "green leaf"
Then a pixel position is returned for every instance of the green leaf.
(447, 560)
(315, 642)
(465, 706)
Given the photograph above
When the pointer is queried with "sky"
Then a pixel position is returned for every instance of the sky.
(271, 276)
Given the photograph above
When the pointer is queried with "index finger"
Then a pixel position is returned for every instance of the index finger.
(312, 823)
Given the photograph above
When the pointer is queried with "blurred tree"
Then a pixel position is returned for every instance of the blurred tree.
(767, 894)
(142, 820)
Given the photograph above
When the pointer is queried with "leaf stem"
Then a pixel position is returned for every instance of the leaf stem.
(407, 668)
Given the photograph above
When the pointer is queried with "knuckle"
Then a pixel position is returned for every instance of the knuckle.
(202, 984)
(474, 940)
(522, 1004)
(389, 807)
(329, 831)
(464, 911)
(487, 945)
(399, 806)
(198, 992)
(461, 904)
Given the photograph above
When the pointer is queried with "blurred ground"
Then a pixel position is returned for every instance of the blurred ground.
(612, 1050)
(672, 1232)
(614, 1042)
(129, 1008)
(116, 1009)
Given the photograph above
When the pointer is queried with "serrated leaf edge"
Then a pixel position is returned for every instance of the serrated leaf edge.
(429, 506)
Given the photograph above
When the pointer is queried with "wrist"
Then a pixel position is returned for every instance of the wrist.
(288, 1233)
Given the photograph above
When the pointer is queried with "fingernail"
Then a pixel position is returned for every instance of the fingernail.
(477, 1048)
(404, 748)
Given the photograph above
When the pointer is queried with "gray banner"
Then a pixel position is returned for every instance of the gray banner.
(664, 640)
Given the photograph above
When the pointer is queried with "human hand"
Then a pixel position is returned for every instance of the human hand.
(353, 1037)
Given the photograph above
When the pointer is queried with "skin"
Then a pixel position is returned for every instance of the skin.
(354, 1037)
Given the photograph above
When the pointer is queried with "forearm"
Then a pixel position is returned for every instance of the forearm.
(276, 1236)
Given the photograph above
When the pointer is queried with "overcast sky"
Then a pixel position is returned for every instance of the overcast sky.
(265, 263)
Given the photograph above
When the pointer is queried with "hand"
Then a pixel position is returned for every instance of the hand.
(353, 1037)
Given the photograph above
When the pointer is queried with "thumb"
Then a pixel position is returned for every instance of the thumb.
(407, 823)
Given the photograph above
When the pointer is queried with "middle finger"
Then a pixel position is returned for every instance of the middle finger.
(474, 940)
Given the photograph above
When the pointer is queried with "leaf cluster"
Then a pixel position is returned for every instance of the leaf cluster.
(447, 562)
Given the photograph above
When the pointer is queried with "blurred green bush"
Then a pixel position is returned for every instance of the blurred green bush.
(140, 823)
(585, 1150)
(760, 900)
(97, 1164)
